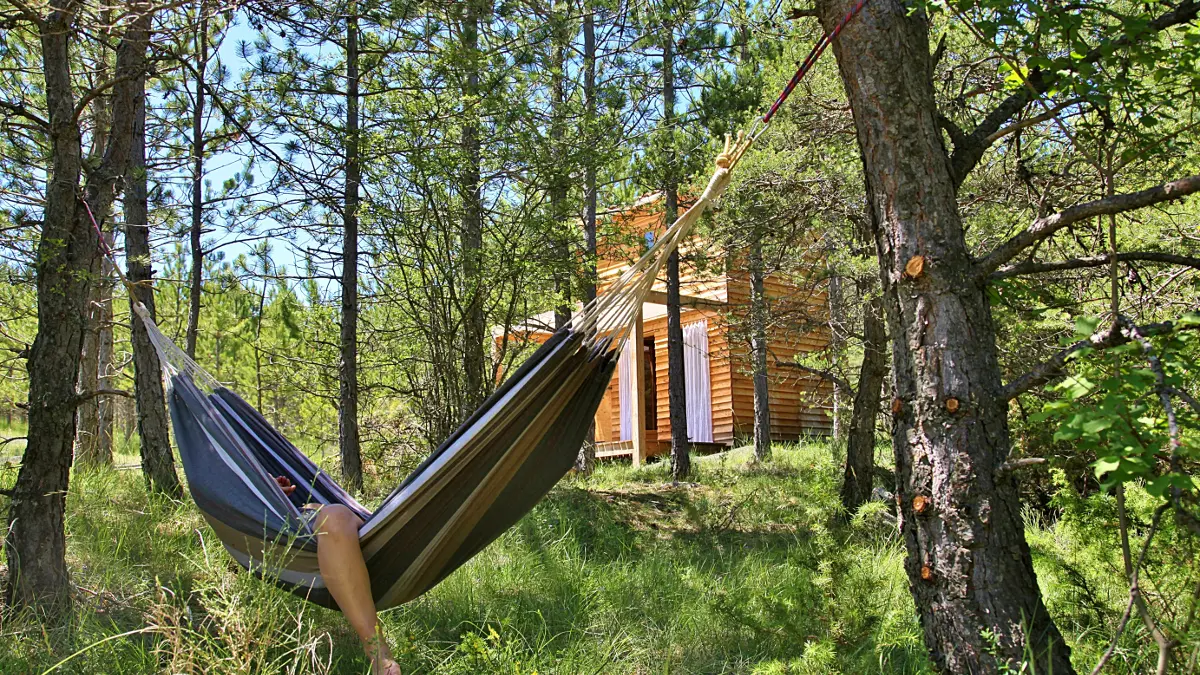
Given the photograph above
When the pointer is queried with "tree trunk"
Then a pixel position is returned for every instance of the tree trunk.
(196, 279)
(158, 464)
(587, 453)
(87, 447)
(87, 427)
(36, 544)
(90, 446)
(681, 462)
(105, 405)
(348, 440)
(860, 446)
(559, 169)
(474, 324)
(968, 564)
(836, 314)
(758, 349)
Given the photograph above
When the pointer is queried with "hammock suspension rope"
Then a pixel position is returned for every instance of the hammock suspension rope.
(477, 484)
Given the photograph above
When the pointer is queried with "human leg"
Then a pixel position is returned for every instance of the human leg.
(345, 573)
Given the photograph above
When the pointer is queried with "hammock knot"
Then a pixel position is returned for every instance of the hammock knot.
(734, 149)
(725, 159)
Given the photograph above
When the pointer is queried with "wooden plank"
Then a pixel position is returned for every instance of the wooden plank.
(696, 302)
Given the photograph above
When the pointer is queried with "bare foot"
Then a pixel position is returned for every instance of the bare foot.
(385, 666)
(380, 655)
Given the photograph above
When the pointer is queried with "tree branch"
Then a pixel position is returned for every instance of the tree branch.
(85, 396)
(102, 88)
(1014, 464)
(1033, 267)
(801, 12)
(957, 136)
(966, 157)
(18, 109)
(823, 374)
(1028, 122)
(1043, 228)
(968, 154)
(1052, 368)
(1186, 398)
(32, 15)
(1135, 591)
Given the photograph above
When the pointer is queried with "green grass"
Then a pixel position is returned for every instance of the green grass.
(745, 570)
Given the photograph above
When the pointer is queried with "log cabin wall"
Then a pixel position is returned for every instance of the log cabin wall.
(800, 402)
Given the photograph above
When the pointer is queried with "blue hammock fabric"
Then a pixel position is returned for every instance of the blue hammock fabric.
(478, 483)
(444, 513)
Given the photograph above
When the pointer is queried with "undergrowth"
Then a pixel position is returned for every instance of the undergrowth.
(746, 569)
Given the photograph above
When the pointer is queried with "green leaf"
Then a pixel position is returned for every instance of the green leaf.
(1159, 486)
(1086, 325)
(1077, 387)
(1106, 464)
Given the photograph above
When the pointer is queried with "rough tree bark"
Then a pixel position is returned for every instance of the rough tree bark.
(559, 169)
(94, 417)
(758, 350)
(470, 191)
(67, 250)
(587, 453)
(196, 232)
(158, 464)
(969, 567)
(348, 438)
(860, 444)
(101, 451)
(87, 419)
(681, 461)
(90, 436)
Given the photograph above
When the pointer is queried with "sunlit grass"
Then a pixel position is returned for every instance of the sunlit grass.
(743, 569)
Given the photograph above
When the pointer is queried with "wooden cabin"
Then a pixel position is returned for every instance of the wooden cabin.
(634, 419)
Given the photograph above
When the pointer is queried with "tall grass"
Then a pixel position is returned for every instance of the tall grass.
(745, 570)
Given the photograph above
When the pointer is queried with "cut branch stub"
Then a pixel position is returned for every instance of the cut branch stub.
(920, 504)
(926, 573)
(914, 266)
(897, 406)
(952, 405)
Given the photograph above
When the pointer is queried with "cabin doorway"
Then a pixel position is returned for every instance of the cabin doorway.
(627, 384)
(650, 382)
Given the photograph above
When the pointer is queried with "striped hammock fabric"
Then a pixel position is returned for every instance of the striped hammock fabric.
(476, 485)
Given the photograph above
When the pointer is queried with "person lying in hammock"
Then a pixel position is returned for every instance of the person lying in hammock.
(345, 573)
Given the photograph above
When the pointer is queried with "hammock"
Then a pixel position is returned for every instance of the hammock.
(477, 484)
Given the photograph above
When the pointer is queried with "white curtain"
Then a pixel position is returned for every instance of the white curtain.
(696, 378)
(626, 382)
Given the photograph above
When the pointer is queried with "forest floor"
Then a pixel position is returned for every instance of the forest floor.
(747, 569)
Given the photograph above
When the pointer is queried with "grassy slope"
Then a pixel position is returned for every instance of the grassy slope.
(744, 571)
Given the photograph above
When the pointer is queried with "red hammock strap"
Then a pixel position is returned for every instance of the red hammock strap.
(107, 251)
(811, 59)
